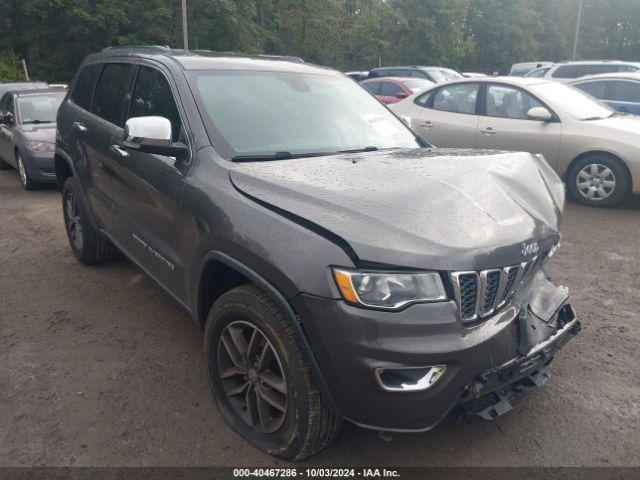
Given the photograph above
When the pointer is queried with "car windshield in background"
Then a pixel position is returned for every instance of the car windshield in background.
(39, 108)
(573, 101)
(283, 114)
(417, 85)
(441, 75)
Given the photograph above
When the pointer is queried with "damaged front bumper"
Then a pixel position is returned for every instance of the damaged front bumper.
(483, 364)
(498, 390)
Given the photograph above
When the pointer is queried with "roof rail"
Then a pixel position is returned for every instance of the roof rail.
(147, 48)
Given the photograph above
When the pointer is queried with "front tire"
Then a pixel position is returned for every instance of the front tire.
(260, 377)
(88, 245)
(598, 180)
(23, 173)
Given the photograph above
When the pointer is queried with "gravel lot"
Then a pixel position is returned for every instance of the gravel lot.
(98, 366)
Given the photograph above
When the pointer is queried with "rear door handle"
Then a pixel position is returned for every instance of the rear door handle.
(79, 126)
(426, 124)
(118, 150)
(488, 131)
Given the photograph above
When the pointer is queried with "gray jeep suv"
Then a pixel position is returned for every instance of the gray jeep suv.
(339, 266)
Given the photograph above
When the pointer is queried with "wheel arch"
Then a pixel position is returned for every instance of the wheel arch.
(64, 168)
(232, 273)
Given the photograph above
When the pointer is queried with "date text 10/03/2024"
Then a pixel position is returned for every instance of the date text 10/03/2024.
(315, 473)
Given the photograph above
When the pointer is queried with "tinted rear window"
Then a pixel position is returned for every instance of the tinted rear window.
(111, 91)
(622, 91)
(567, 71)
(595, 89)
(390, 89)
(373, 87)
(85, 84)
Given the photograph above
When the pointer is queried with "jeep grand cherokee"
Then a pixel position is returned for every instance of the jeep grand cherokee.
(339, 266)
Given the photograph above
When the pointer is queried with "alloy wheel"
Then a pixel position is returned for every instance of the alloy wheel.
(74, 224)
(252, 376)
(596, 182)
(22, 171)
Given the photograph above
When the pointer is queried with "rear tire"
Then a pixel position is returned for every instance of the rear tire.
(307, 425)
(88, 245)
(598, 180)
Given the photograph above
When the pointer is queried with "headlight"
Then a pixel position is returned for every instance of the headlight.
(41, 146)
(389, 290)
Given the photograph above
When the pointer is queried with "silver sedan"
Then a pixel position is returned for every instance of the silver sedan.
(592, 146)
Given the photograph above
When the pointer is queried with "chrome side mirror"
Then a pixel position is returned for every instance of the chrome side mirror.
(140, 131)
(539, 113)
(152, 135)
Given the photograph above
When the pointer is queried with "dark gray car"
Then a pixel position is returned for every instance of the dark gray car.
(28, 132)
(340, 267)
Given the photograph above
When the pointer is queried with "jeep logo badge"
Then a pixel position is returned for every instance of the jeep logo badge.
(529, 248)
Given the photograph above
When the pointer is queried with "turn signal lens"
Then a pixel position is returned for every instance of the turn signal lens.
(345, 286)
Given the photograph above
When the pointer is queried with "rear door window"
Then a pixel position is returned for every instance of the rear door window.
(85, 85)
(627, 68)
(111, 91)
(623, 91)
(373, 87)
(597, 69)
(458, 98)
(595, 89)
(390, 89)
(152, 97)
(567, 71)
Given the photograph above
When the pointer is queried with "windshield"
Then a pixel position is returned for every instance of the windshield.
(267, 113)
(572, 101)
(538, 72)
(440, 75)
(417, 85)
(39, 108)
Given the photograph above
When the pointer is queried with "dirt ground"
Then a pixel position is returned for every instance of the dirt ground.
(98, 366)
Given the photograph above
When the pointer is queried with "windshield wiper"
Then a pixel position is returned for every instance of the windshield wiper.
(275, 156)
(360, 150)
(592, 118)
(37, 121)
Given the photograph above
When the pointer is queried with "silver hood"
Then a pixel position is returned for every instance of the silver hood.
(441, 209)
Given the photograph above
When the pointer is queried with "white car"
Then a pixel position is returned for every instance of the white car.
(568, 71)
(592, 146)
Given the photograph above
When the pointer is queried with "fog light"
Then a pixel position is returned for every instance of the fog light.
(409, 379)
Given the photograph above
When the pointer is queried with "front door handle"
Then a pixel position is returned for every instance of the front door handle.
(488, 131)
(118, 150)
(426, 124)
(79, 126)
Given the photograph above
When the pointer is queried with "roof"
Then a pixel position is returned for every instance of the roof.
(420, 67)
(616, 76)
(210, 60)
(518, 81)
(38, 91)
(397, 79)
(529, 64)
(591, 62)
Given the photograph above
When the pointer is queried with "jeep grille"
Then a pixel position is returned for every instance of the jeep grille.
(480, 294)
